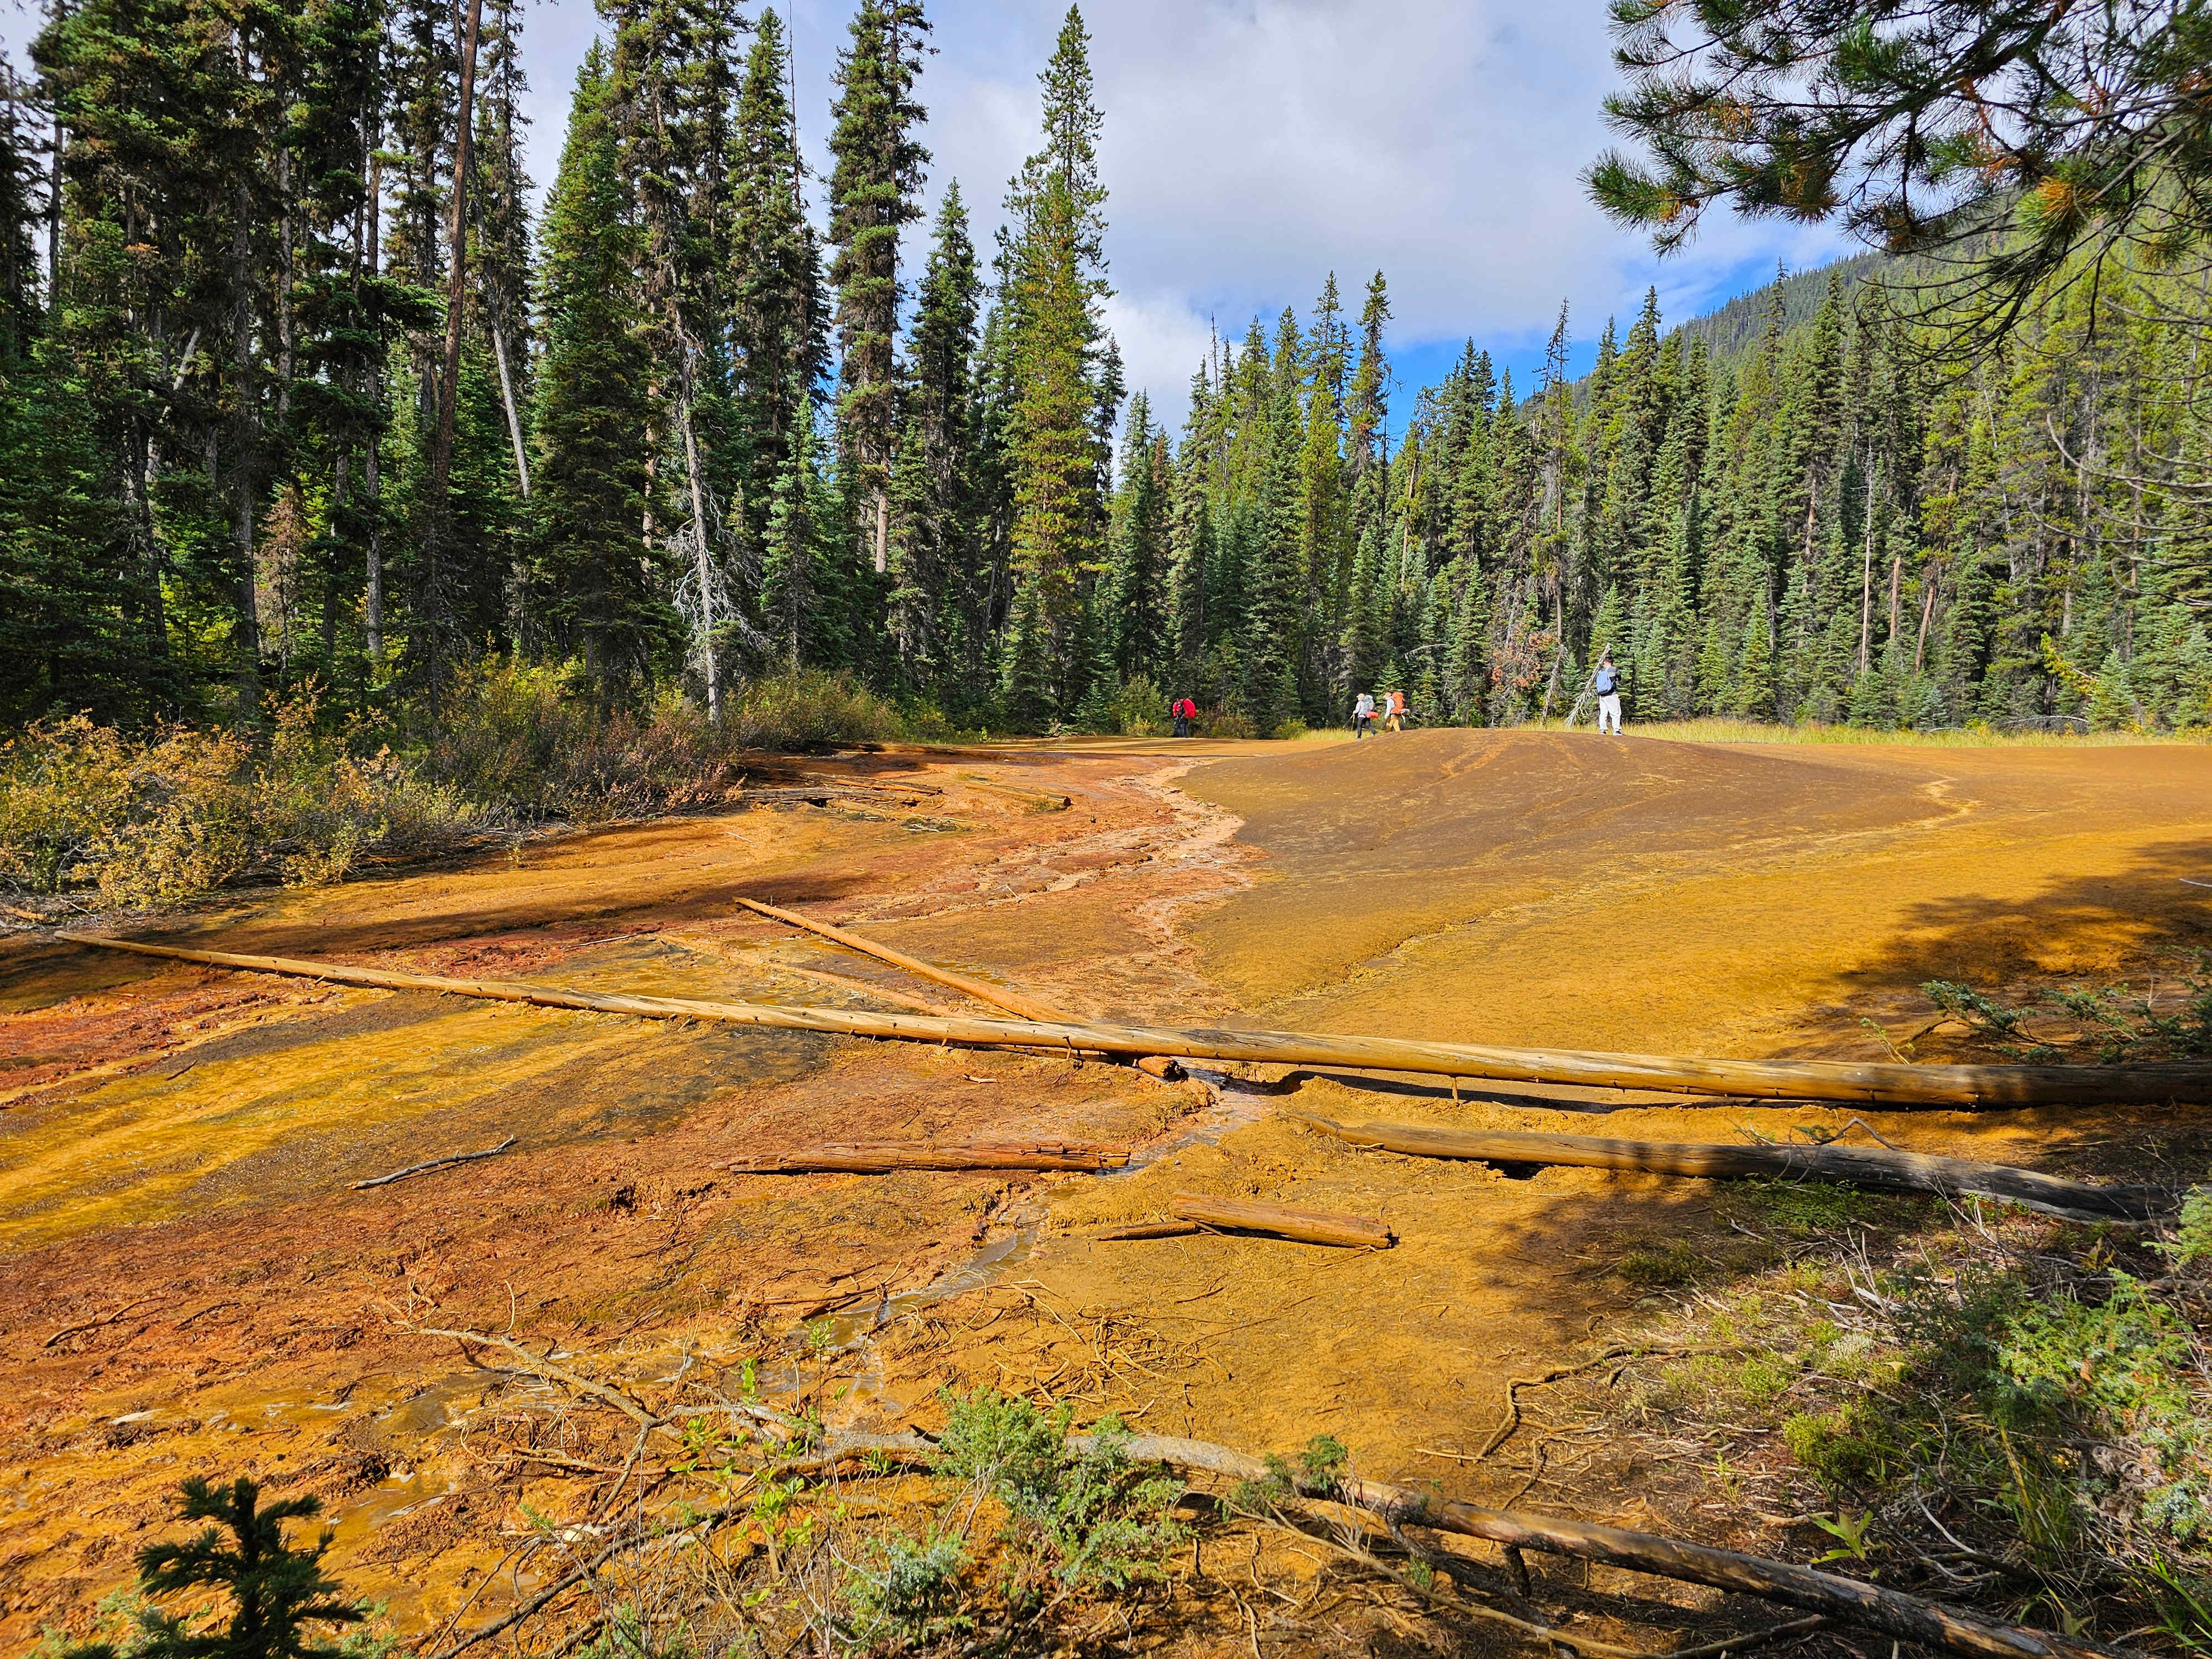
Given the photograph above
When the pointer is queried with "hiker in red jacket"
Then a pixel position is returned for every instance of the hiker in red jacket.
(1185, 711)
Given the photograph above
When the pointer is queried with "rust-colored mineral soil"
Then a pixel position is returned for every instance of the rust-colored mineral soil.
(189, 1283)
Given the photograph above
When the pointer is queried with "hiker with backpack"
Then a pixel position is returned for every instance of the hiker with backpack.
(1606, 683)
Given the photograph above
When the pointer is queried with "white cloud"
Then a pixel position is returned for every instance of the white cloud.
(1252, 146)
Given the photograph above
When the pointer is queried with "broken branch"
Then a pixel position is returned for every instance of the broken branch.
(433, 1164)
(996, 996)
(1871, 1606)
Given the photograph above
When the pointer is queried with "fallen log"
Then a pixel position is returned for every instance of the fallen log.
(1870, 1607)
(1858, 1166)
(429, 1164)
(1881, 1083)
(1305, 1226)
(903, 787)
(843, 984)
(1151, 1230)
(998, 996)
(877, 1158)
(822, 795)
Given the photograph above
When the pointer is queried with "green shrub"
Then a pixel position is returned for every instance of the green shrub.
(2192, 1234)
(2129, 1366)
(62, 784)
(1084, 1515)
(912, 1592)
(810, 710)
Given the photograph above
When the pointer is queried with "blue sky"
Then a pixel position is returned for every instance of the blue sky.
(1252, 146)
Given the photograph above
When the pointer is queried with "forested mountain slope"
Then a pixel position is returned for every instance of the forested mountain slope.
(284, 404)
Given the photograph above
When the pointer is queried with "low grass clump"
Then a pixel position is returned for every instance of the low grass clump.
(1991, 1405)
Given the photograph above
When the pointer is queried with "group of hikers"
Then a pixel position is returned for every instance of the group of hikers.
(1389, 708)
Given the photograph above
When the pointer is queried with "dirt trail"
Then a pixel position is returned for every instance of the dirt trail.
(175, 1143)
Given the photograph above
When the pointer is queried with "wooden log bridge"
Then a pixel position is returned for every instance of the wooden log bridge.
(863, 1157)
(1874, 1084)
(1858, 1166)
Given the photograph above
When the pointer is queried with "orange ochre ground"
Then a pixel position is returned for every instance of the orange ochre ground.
(189, 1284)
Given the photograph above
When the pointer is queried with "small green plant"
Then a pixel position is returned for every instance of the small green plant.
(1762, 1379)
(1849, 1532)
(1836, 1446)
(1799, 1208)
(277, 1592)
(1318, 1470)
(2192, 1233)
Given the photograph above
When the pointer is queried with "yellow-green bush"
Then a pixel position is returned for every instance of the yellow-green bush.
(63, 785)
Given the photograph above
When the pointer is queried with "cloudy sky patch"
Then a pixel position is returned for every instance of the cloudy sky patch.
(1253, 146)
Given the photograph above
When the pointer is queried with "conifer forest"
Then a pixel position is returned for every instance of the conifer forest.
(299, 392)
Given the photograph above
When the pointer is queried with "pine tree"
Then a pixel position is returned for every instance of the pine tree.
(775, 287)
(1367, 441)
(277, 1589)
(589, 558)
(1051, 277)
(872, 190)
(1136, 630)
(799, 572)
(939, 596)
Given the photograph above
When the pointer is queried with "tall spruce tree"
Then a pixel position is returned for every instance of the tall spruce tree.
(594, 577)
(939, 600)
(872, 191)
(1052, 283)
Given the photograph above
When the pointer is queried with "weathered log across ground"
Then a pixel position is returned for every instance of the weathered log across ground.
(1858, 1166)
(1849, 1601)
(881, 1157)
(1844, 1082)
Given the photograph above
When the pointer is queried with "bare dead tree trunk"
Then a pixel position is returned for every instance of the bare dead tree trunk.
(441, 449)
(514, 420)
(372, 603)
(703, 565)
(249, 629)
